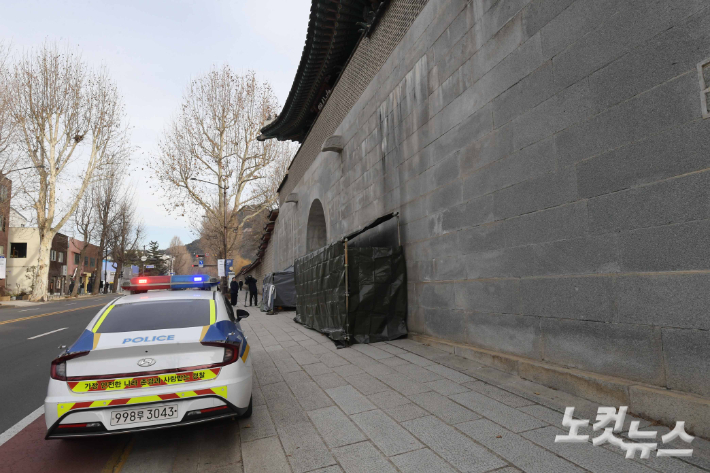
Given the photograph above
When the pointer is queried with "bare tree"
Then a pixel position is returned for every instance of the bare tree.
(70, 123)
(127, 234)
(85, 226)
(181, 260)
(213, 142)
(106, 194)
(8, 159)
(7, 125)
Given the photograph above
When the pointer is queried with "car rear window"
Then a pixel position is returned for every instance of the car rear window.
(156, 315)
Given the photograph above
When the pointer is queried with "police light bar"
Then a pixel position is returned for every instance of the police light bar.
(192, 281)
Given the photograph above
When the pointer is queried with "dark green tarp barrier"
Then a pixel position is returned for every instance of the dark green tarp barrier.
(378, 293)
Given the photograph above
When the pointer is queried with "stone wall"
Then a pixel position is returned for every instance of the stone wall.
(265, 267)
(550, 163)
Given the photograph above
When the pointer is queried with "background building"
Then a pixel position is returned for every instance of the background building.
(549, 160)
(23, 258)
(82, 270)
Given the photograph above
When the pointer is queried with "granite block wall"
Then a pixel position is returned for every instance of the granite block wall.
(551, 165)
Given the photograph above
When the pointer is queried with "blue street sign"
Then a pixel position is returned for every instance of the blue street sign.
(149, 266)
(202, 263)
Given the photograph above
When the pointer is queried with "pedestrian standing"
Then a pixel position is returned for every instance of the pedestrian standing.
(251, 282)
(234, 291)
(241, 283)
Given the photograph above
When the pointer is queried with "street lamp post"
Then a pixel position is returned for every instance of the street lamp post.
(224, 189)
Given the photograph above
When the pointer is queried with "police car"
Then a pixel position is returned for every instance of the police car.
(152, 360)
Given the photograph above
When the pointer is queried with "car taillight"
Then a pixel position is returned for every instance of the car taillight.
(231, 353)
(59, 365)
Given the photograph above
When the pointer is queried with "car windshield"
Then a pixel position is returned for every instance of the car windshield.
(156, 315)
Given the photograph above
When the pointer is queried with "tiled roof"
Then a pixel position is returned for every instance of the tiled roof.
(265, 237)
(334, 30)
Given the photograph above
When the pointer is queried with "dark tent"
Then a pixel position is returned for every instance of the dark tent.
(279, 290)
(353, 295)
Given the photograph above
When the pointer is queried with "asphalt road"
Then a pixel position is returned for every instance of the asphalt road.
(24, 364)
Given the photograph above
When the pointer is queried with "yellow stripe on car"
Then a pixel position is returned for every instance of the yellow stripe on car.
(101, 319)
(97, 336)
(138, 400)
(246, 353)
(142, 382)
(63, 408)
(204, 332)
(213, 314)
(222, 391)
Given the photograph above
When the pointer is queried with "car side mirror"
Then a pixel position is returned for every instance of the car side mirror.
(242, 314)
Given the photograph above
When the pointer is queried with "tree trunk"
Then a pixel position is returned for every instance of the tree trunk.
(99, 269)
(79, 274)
(39, 290)
(119, 273)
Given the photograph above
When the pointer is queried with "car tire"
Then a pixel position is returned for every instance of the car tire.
(247, 413)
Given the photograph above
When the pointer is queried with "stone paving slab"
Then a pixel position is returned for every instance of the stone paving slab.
(367, 384)
(507, 416)
(264, 455)
(388, 399)
(335, 427)
(443, 408)
(387, 434)
(402, 406)
(304, 448)
(446, 387)
(584, 454)
(330, 380)
(421, 461)
(519, 451)
(453, 446)
(405, 412)
(350, 400)
(362, 458)
(258, 426)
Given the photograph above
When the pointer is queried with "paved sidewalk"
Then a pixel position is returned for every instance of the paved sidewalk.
(403, 406)
(11, 304)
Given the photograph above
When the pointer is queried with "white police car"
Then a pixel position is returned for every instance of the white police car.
(152, 360)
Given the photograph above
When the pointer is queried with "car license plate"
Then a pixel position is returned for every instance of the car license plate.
(147, 414)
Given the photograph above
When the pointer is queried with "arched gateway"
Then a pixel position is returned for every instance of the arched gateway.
(316, 233)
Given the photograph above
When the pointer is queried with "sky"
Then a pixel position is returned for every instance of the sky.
(153, 48)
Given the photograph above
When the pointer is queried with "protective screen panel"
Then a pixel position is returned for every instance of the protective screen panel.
(377, 280)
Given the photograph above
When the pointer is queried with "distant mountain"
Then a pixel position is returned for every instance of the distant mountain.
(195, 247)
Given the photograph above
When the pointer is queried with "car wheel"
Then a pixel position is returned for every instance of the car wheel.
(247, 414)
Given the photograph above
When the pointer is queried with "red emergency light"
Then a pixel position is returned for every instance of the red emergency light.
(143, 284)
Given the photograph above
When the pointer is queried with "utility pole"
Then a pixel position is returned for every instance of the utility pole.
(224, 280)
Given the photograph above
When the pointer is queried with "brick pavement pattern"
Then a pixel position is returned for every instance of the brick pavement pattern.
(404, 406)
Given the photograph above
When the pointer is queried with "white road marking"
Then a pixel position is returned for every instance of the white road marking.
(17, 428)
(73, 303)
(43, 334)
(34, 308)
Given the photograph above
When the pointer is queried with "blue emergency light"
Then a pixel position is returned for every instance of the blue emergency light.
(191, 281)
